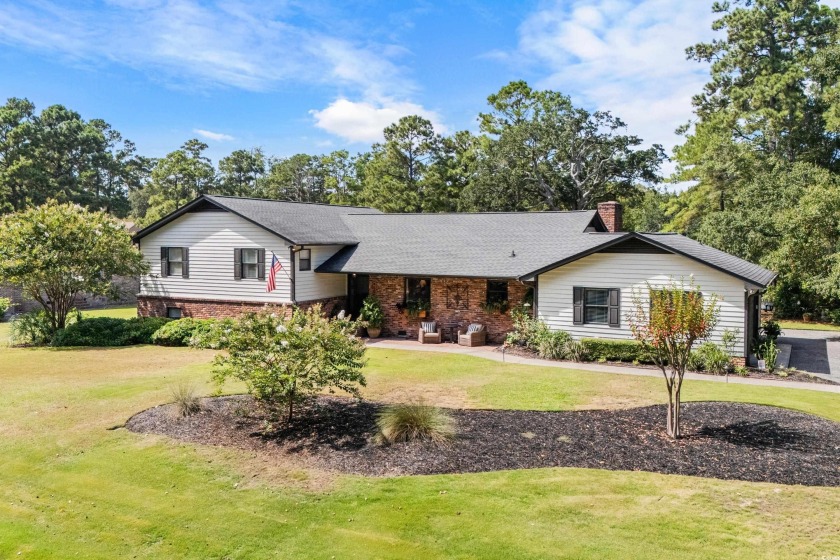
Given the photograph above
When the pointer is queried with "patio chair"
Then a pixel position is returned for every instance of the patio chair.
(429, 333)
(475, 335)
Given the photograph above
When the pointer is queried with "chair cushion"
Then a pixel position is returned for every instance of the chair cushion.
(475, 327)
(429, 326)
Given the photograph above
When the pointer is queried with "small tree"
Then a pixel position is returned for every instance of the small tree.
(286, 360)
(667, 323)
(55, 251)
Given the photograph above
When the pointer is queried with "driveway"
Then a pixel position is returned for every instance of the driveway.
(814, 351)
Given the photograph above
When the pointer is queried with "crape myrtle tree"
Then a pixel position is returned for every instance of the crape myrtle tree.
(55, 251)
(667, 321)
(284, 360)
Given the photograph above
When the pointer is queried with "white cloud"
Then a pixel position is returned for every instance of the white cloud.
(363, 121)
(209, 134)
(252, 46)
(624, 56)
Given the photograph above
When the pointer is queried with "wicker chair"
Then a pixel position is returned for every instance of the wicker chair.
(429, 333)
(475, 335)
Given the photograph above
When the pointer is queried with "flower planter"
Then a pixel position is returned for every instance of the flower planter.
(762, 365)
(374, 332)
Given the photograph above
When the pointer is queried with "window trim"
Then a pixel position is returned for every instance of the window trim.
(405, 288)
(613, 306)
(238, 264)
(308, 266)
(489, 291)
(165, 262)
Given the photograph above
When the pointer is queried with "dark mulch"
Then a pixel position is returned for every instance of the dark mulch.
(786, 375)
(721, 440)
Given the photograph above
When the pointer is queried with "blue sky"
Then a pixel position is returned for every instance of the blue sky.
(315, 76)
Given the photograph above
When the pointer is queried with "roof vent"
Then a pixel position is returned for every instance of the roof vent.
(513, 253)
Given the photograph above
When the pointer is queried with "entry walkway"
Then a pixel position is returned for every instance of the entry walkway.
(491, 352)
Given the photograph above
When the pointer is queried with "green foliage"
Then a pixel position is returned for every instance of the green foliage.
(186, 399)
(55, 251)
(372, 312)
(491, 307)
(198, 333)
(768, 351)
(32, 329)
(414, 307)
(109, 331)
(575, 350)
(5, 305)
(413, 422)
(710, 357)
(541, 153)
(527, 330)
(284, 360)
(58, 155)
(602, 349)
(770, 330)
(552, 345)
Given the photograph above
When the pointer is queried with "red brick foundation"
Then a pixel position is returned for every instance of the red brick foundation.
(391, 290)
(150, 306)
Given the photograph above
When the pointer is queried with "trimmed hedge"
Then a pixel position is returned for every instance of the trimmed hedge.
(109, 331)
(597, 349)
(199, 333)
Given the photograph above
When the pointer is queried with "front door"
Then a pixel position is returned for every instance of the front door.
(358, 286)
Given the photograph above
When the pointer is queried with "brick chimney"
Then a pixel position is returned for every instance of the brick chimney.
(612, 214)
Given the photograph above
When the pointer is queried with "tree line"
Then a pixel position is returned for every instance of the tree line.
(762, 153)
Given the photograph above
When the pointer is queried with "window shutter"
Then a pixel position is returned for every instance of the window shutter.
(164, 261)
(237, 264)
(615, 307)
(261, 264)
(185, 267)
(577, 316)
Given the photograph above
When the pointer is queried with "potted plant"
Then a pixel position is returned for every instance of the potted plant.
(372, 315)
(807, 317)
(491, 307)
(416, 308)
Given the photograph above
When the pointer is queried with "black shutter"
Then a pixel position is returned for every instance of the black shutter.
(261, 264)
(237, 264)
(615, 307)
(164, 262)
(185, 267)
(577, 316)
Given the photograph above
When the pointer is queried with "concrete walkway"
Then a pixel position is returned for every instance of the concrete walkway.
(814, 351)
(491, 352)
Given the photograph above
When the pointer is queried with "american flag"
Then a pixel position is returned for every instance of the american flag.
(271, 285)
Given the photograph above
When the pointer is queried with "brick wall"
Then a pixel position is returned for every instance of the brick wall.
(470, 292)
(612, 214)
(148, 306)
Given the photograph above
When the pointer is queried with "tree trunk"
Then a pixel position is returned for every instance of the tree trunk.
(673, 419)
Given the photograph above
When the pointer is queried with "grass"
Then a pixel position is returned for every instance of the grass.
(802, 325)
(72, 487)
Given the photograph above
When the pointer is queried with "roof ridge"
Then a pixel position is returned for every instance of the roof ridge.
(288, 201)
(521, 212)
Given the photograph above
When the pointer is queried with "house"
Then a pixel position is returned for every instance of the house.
(578, 270)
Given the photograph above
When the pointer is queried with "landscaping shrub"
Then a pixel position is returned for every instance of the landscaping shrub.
(187, 401)
(834, 316)
(198, 333)
(5, 305)
(552, 345)
(710, 357)
(597, 349)
(527, 331)
(575, 350)
(33, 328)
(109, 331)
(414, 421)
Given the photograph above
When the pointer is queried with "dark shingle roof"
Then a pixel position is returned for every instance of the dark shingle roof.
(466, 245)
(299, 223)
(713, 257)
(481, 245)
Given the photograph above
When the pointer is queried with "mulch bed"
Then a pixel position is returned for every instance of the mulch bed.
(790, 375)
(721, 440)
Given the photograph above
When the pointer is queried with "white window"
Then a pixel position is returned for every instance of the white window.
(250, 261)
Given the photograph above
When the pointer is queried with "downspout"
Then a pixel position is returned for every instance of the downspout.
(292, 274)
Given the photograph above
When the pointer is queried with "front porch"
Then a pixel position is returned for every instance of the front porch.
(448, 301)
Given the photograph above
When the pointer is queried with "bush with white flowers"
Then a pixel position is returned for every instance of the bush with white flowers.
(285, 360)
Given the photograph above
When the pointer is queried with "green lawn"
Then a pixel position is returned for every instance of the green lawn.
(71, 487)
(802, 325)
